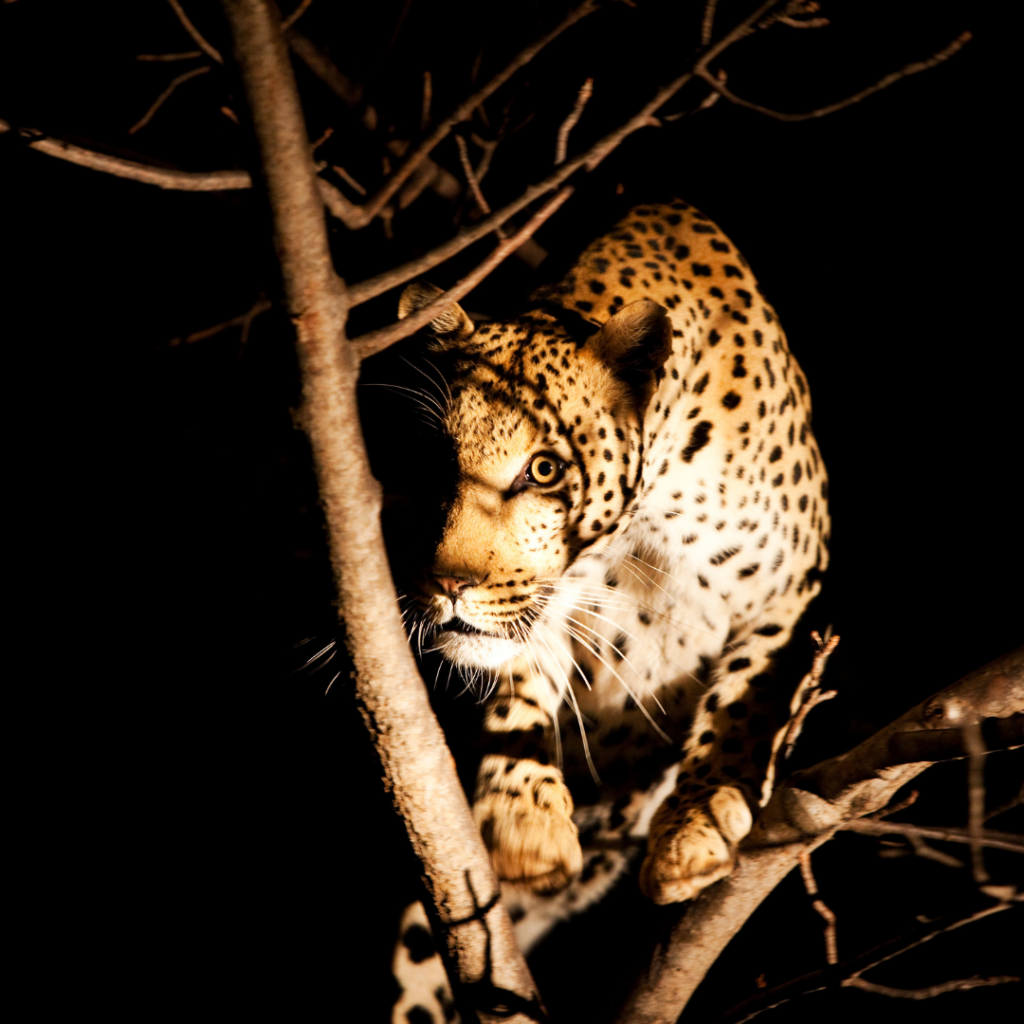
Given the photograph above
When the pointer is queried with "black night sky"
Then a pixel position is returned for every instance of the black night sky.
(227, 819)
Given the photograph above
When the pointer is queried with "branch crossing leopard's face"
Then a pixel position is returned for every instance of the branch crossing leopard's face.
(546, 429)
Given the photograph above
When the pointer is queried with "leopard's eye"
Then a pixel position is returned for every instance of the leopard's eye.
(545, 469)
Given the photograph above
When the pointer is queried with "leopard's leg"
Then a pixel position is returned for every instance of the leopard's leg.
(724, 777)
(522, 805)
(424, 992)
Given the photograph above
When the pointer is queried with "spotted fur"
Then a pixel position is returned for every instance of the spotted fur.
(637, 521)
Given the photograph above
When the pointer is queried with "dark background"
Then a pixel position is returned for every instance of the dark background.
(223, 821)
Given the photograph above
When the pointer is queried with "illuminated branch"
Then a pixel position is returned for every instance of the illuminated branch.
(804, 812)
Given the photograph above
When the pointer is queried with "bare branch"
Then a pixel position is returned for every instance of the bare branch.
(984, 837)
(376, 341)
(1008, 806)
(811, 885)
(962, 985)
(286, 23)
(243, 320)
(808, 693)
(339, 204)
(804, 812)
(187, 55)
(570, 122)
(976, 799)
(211, 51)
(882, 83)
(162, 177)
(428, 95)
(902, 805)
(466, 108)
(474, 185)
(707, 25)
(784, 19)
(489, 972)
(839, 975)
(165, 95)
(324, 68)
(363, 291)
(348, 179)
(923, 849)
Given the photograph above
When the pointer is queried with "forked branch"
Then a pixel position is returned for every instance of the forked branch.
(477, 938)
(804, 812)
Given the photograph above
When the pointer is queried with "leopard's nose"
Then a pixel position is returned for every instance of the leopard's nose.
(453, 586)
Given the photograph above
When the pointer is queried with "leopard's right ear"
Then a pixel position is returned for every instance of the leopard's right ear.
(450, 326)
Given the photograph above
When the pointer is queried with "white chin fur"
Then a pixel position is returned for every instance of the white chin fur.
(476, 651)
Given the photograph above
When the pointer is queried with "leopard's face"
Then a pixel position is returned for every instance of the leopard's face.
(547, 443)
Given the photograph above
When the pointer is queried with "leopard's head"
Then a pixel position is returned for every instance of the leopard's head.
(544, 416)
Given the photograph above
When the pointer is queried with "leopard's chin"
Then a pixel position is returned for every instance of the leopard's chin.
(475, 650)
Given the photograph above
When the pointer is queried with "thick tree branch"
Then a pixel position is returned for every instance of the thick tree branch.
(475, 933)
(804, 812)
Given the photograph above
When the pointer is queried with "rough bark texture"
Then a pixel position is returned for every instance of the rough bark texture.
(489, 972)
(804, 812)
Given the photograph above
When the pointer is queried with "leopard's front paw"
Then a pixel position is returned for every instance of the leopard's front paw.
(689, 846)
(526, 822)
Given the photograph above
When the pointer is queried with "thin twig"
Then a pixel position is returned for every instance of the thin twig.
(895, 808)
(975, 798)
(162, 177)
(784, 19)
(883, 83)
(811, 885)
(961, 985)
(808, 693)
(983, 837)
(243, 320)
(923, 849)
(1008, 806)
(211, 51)
(325, 69)
(187, 55)
(466, 108)
(286, 23)
(348, 179)
(474, 185)
(428, 95)
(707, 24)
(165, 95)
(363, 291)
(839, 974)
(803, 813)
(586, 89)
(321, 139)
(376, 341)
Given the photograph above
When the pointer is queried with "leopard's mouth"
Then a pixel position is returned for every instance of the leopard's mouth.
(464, 644)
(458, 625)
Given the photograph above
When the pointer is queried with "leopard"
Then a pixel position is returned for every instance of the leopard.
(634, 520)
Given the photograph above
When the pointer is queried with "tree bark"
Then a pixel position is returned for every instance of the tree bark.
(804, 812)
(488, 972)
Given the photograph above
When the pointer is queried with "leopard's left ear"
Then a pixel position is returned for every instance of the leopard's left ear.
(634, 345)
(450, 325)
